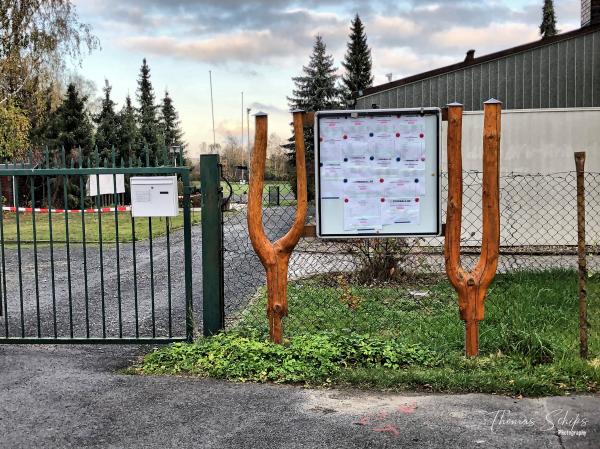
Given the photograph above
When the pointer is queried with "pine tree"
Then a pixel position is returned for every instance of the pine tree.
(169, 123)
(357, 61)
(107, 135)
(128, 133)
(548, 25)
(70, 129)
(148, 123)
(315, 90)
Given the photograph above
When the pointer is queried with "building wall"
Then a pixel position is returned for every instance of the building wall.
(564, 74)
(528, 137)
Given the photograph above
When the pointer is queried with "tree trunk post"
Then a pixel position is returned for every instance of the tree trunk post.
(472, 286)
(582, 262)
(275, 257)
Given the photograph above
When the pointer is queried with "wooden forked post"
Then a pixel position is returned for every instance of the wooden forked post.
(472, 286)
(275, 257)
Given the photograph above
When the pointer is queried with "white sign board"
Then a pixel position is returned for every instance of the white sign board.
(377, 173)
(106, 183)
(154, 196)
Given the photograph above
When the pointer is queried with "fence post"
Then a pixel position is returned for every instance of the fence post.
(212, 245)
(582, 262)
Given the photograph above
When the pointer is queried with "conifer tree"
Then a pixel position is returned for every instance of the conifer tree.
(357, 61)
(315, 90)
(70, 126)
(147, 120)
(170, 124)
(548, 25)
(128, 133)
(107, 136)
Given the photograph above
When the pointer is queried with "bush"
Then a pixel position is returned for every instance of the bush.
(305, 358)
(379, 259)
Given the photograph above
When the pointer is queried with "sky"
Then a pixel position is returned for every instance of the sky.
(257, 46)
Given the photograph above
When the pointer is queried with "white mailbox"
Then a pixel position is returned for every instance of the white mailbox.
(154, 196)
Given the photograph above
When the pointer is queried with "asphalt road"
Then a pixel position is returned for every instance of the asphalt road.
(71, 396)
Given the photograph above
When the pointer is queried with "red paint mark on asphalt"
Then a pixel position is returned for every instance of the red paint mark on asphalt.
(382, 415)
(388, 429)
(408, 409)
(364, 421)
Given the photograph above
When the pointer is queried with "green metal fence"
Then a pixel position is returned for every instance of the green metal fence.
(73, 271)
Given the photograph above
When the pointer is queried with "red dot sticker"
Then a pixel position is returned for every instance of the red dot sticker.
(421, 135)
(397, 134)
(345, 136)
(416, 200)
(380, 179)
(345, 200)
(383, 200)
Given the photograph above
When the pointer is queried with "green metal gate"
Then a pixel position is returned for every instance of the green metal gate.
(72, 271)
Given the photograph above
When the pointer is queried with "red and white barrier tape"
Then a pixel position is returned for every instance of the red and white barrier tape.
(62, 211)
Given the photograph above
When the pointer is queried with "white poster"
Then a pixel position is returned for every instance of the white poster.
(361, 214)
(400, 211)
(107, 184)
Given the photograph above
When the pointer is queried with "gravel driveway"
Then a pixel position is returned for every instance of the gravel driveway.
(105, 317)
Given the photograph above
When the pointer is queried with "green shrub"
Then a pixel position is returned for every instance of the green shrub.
(304, 358)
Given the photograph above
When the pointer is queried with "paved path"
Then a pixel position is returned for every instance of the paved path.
(60, 397)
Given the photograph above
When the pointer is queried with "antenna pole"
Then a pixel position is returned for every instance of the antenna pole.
(212, 110)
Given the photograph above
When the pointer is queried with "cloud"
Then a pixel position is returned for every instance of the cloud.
(256, 47)
(485, 39)
(402, 62)
(268, 108)
(250, 33)
(229, 128)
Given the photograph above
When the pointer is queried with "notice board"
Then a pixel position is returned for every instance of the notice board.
(377, 173)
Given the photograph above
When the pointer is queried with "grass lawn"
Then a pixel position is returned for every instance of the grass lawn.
(92, 232)
(391, 338)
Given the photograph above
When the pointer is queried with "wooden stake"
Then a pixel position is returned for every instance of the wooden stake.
(582, 262)
(472, 286)
(275, 257)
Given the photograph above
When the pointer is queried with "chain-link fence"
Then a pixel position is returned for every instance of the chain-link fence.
(538, 232)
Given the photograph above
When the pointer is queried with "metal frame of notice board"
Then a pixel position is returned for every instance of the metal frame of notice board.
(432, 170)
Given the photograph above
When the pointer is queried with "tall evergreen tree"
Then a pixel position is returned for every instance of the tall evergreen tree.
(128, 133)
(548, 25)
(147, 120)
(357, 61)
(315, 90)
(107, 136)
(170, 124)
(70, 126)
